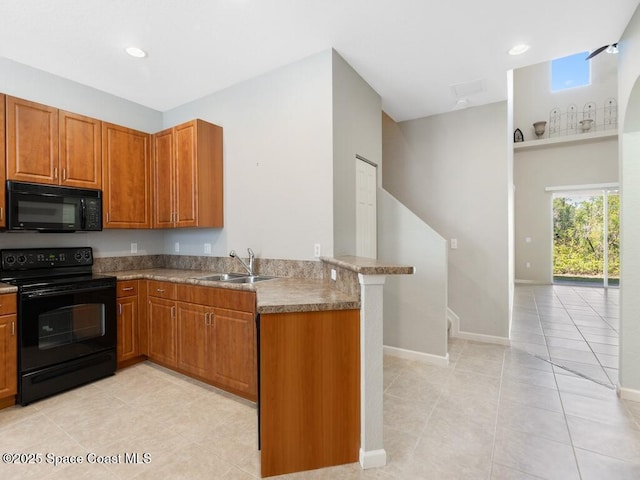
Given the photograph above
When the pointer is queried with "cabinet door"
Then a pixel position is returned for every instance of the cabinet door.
(128, 335)
(186, 175)
(192, 339)
(232, 343)
(125, 177)
(80, 151)
(161, 317)
(8, 356)
(163, 177)
(32, 142)
(8, 346)
(3, 160)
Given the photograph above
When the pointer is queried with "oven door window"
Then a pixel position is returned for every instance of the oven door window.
(68, 325)
(63, 326)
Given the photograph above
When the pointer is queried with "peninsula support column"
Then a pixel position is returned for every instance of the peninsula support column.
(372, 452)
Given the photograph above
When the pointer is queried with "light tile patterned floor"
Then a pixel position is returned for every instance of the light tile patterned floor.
(495, 413)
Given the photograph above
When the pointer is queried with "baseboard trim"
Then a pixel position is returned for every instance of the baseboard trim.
(373, 458)
(476, 337)
(629, 394)
(438, 360)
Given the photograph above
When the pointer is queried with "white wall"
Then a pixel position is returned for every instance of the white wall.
(534, 100)
(29, 83)
(278, 160)
(452, 171)
(629, 94)
(415, 306)
(556, 165)
(36, 85)
(357, 129)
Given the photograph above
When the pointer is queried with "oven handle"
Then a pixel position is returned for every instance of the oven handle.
(56, 292)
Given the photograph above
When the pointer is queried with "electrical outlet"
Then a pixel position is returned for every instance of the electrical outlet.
(134, 248)
(454, 243)
(333, 274)
(316, 250)
(207, 248)
(527, 239)
(528, 264)
(176, 247)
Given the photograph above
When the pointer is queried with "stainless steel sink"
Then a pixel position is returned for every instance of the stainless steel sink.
(249, 279)
(222, 277)
(234, 278)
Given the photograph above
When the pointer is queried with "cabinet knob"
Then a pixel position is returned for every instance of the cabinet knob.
(13, 329)
(55, 173)
(119, 309)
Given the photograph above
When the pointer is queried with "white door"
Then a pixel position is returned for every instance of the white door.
(366, 210)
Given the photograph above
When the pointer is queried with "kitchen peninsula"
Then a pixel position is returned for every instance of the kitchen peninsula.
(307, 338)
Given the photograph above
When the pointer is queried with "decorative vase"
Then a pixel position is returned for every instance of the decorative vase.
(585, 124)
(538, 127)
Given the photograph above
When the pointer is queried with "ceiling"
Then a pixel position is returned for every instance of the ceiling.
(410, 51)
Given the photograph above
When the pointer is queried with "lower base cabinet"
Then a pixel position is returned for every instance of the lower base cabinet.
(128, 311)
(205, 332)
(8, 350)
(309, 390)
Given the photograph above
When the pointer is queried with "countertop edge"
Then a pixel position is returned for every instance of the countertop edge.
(305, 295)
(369, 266)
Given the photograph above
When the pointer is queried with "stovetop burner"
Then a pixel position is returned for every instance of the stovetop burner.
(49, 266)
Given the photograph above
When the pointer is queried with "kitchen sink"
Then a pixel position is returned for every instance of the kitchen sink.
(222, 277)
(235, 278)
(249, 279)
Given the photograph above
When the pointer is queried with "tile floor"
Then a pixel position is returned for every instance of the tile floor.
(495, 413)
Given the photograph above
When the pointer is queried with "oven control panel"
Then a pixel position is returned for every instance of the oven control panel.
(38, 258)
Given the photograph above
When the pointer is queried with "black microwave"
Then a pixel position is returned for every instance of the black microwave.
(50, 208)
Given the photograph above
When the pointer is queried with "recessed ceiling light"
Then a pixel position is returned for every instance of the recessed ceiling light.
(136, 52)
(519, 49)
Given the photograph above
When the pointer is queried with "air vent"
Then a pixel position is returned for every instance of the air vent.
(463, 90)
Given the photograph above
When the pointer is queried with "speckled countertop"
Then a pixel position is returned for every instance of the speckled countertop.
(276, 295)
(6, 288)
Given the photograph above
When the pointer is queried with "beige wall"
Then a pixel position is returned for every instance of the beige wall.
(278, 163)
(534, 170)
(357, 129)
(452, 171)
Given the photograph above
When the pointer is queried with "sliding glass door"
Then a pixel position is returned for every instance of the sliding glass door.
(586, 245)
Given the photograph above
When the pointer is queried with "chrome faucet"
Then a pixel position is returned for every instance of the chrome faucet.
(252, 257)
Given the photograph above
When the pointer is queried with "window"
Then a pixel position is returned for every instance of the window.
(570, 72)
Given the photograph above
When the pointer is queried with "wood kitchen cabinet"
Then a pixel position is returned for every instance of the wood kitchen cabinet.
(8, 350)
(217, 337)
(125, 177)
(162, 323)
(187, 176)
(80, 154)
(3, 159)
(32, 141)
(128, 347)
(310, 393)
(47, 145)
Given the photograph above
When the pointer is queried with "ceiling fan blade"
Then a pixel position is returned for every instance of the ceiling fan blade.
(597, 51)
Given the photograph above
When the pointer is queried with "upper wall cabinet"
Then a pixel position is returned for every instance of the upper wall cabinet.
(2, 161)
(47, 145)
(187, 176)
(125, 177)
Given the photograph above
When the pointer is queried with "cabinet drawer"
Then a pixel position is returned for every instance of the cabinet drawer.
(127, 288)
(218, 297)
(8, 303)
(161, 289)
